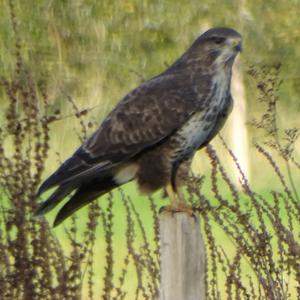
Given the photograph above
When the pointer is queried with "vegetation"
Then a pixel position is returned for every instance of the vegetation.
(54, 56)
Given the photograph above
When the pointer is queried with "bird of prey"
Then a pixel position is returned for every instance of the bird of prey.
(154, 131)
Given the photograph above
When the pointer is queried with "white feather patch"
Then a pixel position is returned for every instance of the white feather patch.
(126, 173)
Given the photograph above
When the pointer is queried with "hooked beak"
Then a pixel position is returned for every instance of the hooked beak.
(237, 45)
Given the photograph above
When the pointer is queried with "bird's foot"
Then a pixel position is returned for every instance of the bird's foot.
(178, 207)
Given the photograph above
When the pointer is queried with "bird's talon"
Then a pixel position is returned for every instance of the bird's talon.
(178, 208)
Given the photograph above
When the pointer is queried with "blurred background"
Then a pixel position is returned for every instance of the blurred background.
(95, 52)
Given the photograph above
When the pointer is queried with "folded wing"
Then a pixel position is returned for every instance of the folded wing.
(144, 118)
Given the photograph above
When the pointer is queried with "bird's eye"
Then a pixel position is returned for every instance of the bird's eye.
(218, 40)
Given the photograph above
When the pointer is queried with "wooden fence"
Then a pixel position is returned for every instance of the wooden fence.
(182, 257)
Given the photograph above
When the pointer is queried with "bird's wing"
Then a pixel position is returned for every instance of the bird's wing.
(145, 117)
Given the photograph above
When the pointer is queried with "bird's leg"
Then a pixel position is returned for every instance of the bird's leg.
(182, 205)
(172, 195)
(180, 197)
(178, 203)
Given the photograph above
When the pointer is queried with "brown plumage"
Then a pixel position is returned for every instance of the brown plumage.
(154, 131)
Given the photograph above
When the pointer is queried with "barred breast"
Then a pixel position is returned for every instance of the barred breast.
(204, 125)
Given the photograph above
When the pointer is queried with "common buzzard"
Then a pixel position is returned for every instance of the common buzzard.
(154, 131)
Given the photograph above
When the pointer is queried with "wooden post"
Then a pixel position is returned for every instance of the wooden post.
(182, 257)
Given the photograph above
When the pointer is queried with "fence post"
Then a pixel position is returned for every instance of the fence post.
(182, 257)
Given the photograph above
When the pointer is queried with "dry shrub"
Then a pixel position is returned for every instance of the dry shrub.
(33, 264)
(263, 261)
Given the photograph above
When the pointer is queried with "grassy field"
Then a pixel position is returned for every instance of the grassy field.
(229, 245)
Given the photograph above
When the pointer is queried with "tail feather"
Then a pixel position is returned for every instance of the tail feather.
(60, 193)
(83, 196)
(66, 170)
(73, 170)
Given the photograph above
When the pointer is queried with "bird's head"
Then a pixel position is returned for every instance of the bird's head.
(217, 46)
